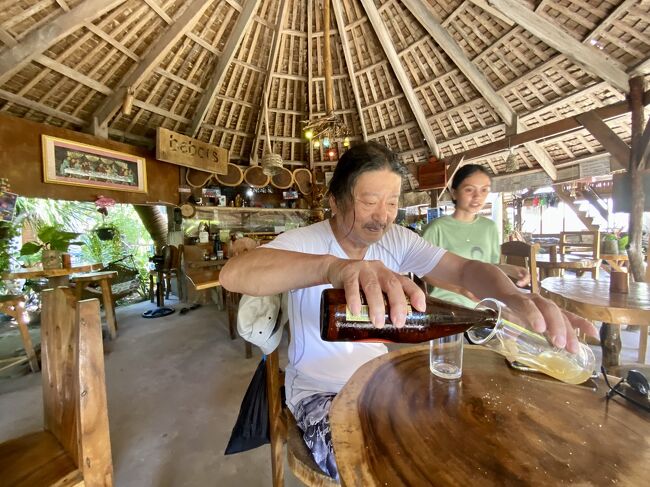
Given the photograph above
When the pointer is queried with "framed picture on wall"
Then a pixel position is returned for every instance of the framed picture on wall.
(68, 162)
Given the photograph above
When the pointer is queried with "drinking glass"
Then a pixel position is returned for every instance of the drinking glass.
(446, 356)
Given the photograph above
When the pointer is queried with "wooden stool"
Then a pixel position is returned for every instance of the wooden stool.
(14, 306)
(103, 278)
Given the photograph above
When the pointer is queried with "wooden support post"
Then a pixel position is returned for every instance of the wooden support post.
(329, 99)
(634, 251)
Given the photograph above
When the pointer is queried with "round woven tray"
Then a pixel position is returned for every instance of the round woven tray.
(255, 177)
(234, 177)
(303, 179)
(283, 179)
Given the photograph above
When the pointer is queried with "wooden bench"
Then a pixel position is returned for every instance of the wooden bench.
(74, 446)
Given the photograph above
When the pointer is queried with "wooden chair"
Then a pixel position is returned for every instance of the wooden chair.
(171, 265)
(581, 243)
(285, 430)
(14, 306)
(74, 447)
(522, 254)
(103, 279)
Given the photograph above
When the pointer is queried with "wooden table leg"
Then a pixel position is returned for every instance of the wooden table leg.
(643, 343)
(107, 296)
(610, 340)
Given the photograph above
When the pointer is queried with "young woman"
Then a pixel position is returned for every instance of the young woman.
(467, 234)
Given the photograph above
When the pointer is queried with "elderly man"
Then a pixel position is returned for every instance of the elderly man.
(359, 249)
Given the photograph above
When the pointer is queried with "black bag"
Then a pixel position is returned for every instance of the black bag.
(252, 426)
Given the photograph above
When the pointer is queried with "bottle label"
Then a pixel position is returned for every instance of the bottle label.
(364, 315)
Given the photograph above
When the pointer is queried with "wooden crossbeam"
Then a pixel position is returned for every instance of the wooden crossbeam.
(241, 27)
(612, 143)
(150, 61)
(39, 107)
(589, 58)
(37, 41)
(566, 125)
(384, 39)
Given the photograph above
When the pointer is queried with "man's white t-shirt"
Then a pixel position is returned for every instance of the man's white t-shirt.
(319, 366)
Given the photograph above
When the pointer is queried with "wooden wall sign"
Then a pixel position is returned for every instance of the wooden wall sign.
(185, 151)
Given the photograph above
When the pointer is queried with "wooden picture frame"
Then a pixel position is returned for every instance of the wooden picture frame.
(77, 164)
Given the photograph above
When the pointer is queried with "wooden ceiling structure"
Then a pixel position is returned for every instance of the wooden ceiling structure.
(423, 77)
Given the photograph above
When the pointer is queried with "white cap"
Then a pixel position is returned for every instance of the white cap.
(257, 321)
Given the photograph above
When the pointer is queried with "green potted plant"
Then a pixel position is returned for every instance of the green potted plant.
(52, 242)
(609, 244)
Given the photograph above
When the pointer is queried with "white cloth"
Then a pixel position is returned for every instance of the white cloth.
(319, 366)
(257, 320)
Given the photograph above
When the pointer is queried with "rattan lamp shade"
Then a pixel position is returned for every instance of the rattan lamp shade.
(233, 177)
(302, 177)
(272, 164)
(255, 177)
(283, 179)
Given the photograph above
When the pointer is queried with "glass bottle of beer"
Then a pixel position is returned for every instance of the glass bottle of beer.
(440, 318)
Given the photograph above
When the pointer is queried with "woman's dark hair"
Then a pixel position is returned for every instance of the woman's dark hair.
(464, 172)
(361, 158)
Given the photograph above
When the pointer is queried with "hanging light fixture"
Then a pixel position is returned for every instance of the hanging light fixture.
(328, 130)
(511, 164)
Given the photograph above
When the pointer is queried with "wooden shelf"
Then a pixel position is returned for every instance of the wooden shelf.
(247, 209)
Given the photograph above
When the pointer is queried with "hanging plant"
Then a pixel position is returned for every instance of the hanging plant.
(106, 231)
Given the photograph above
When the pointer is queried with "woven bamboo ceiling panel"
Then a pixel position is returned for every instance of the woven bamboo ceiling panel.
(421, 76)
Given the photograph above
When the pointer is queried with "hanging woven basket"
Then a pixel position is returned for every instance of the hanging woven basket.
(233, 177)
(255, 177)
(271, 164)
(283, 179)
(302, 177)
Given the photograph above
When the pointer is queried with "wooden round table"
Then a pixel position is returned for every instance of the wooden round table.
(395, 424)
(592, 300)
(549, 264)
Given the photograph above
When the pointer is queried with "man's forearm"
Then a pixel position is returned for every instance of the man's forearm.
(262, 272)
(486, 280)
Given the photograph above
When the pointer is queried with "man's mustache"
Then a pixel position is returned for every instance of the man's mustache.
(375, 226)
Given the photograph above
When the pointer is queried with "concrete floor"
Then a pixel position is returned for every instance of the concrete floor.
(174, 388)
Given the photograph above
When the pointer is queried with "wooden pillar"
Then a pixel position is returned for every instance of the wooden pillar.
(636, 180)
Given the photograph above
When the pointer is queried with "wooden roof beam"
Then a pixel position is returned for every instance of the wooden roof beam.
(338, 16)
(239, 30)
(612, 143)
(37, 41)
(273, 59)
(589, 58)
(384, 39)
(554, 129)
(150, 61)
(449, 45)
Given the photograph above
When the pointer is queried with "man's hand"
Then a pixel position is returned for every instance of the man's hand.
(544, 316)
(375, 279)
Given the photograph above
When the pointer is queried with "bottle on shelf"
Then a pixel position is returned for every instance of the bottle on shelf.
(438, 320)
(204, 233)
(216, 247)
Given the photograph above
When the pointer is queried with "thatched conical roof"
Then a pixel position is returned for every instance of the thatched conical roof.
(422, 76)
